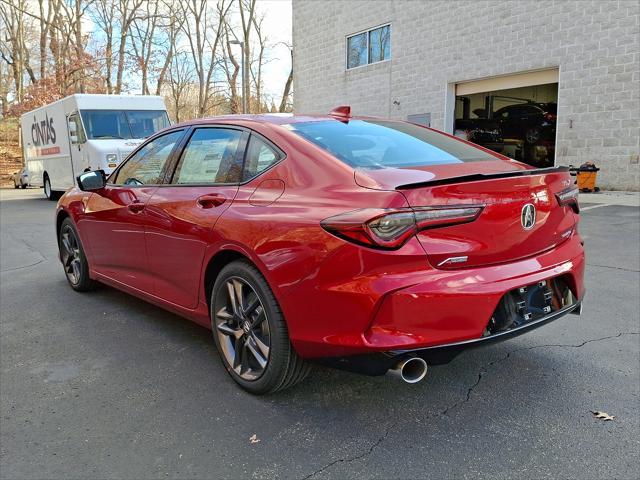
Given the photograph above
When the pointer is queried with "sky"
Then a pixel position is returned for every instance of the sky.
(277, 24)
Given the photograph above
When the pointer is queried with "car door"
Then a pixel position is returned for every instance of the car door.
(114, 218)
(181, 214)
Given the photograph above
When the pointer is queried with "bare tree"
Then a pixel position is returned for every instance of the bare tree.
(45, 10)
(231, 69)
(180, 78)
(179, 48)
(204, 29)
(128, 10)
(171, 29)
(13, 49)
(104, 16)
(247, 10)
(143, 40)
(256, 73)
(284, 103)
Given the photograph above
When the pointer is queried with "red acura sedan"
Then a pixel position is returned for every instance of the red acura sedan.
(365, 244)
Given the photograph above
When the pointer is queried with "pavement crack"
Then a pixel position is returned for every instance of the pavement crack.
(23, 266)
(614, 268)
(366, 453)
(484, 369)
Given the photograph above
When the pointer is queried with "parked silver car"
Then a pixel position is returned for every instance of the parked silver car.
(21, 178)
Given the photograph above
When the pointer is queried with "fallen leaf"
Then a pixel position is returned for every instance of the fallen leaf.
(254, 438)
(604, 416)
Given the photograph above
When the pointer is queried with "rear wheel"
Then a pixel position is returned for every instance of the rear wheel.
(47, 188)
(73, 258)
(250, 332)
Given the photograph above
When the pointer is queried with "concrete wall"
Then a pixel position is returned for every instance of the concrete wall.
(435, 44)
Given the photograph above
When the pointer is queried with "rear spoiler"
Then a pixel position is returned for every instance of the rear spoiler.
(482, 176)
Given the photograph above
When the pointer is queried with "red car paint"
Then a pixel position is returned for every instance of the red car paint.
(163, 243)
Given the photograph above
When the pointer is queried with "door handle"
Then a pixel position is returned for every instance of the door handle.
(136, 206)
(211, 200)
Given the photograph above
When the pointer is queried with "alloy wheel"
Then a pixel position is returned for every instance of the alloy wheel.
(242, 328)
(533, 135)
(70, 255)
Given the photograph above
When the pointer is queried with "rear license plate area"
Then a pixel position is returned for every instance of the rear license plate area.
(529, 303)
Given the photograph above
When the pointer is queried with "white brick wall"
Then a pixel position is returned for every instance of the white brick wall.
(596, 45)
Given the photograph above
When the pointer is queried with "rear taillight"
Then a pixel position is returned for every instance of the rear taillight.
(391, 228)
(569, 197)
(550, 117)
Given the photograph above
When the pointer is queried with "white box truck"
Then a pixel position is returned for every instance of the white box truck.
(85, 132)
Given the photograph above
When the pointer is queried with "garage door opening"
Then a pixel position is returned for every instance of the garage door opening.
(518, 122)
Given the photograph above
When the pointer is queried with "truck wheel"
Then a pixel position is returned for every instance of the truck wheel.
(50, 194)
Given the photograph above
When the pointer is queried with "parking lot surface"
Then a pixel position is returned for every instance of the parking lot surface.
(103, 385)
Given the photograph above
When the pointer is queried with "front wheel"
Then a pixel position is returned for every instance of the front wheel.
(73, 258)
(250, 332)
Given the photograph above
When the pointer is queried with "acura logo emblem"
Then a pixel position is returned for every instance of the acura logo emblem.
(528, 216)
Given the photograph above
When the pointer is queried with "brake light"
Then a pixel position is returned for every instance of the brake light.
(391, 228)
(569, 197)
(551, 117)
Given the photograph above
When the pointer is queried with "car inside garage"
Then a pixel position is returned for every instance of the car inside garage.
(515, 115)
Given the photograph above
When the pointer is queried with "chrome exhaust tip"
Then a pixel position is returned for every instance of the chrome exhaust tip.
(410, 369)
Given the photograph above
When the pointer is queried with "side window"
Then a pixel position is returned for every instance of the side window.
(211, 156)
(145, 167)
(260, 156)
(74, 119)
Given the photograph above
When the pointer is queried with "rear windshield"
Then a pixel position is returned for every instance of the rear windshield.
(380, 144)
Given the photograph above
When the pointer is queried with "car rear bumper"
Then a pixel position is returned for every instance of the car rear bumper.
(440, 308)
(378, 363)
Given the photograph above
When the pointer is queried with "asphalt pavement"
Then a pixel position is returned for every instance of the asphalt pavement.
(103, 385)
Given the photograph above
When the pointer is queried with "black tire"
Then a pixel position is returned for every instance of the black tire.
(23, 186)
(46, 183)
(73, 258)
(284, 368)
(15, 185)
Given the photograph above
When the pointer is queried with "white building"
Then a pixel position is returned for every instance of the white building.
(542, 81)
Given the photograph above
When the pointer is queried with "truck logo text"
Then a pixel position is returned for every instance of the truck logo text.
(43, 133)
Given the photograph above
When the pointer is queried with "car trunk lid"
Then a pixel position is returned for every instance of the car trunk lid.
(521, 215)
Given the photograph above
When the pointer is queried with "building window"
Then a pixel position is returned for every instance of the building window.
(369, 47)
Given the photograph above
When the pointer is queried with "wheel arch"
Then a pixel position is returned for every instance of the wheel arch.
(215, 265)
(221, 259)
(60, 217)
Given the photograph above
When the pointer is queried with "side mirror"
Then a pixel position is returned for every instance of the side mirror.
(92, 181)
(73, 128)
(73, 138)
